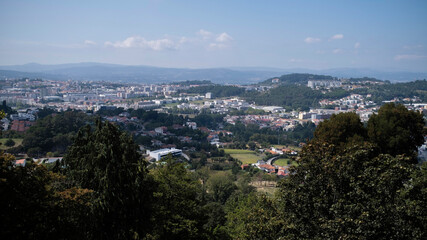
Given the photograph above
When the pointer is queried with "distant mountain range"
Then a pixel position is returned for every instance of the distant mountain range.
(149, 74)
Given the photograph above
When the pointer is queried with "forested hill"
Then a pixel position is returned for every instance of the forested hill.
(295, 78)
(192, 82)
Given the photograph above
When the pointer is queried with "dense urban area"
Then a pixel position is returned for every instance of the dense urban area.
(292, 156)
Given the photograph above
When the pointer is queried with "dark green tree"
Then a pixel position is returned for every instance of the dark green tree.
(221, 186)
(36, 203)
(106, 161)
(396, 130)
(9, 143)
(177, 207)
(351, 193)
(253, 217)
(340, 129)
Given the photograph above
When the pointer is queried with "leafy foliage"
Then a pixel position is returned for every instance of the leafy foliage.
(290, 96)
(36, 203)
(387, 92)
(298, 78)
(178, 211)
(6, 109)
(341, 129)
(106, 161)
(53, 133)
(352, 195)
(253, 217)
(9, 143)
(396, 130)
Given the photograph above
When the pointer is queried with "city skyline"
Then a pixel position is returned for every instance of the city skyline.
(385, 35)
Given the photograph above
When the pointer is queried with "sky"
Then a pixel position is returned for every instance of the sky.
(382, 35)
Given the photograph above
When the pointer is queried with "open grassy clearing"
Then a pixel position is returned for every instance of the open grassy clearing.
(282, 162)
(246, 158)
(239, 151)
(285, 162)
(18, 141)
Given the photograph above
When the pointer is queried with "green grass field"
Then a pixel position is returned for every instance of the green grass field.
(245, 156)
(18, 141)
(239, 151)
(285, 162)
(282, 162)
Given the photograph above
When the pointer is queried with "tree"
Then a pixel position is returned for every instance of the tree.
(36, 204)
(9, 143)
(340, 129)
(221, 186)
(106, 161)
(253, 217)
(177, 207)
(352, 193)
(396, 130)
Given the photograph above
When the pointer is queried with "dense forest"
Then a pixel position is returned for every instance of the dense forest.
(289, 96)
(192, 82)
(351, 182)
(388, 92)
(296, 78)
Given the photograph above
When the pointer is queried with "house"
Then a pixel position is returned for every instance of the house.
(158, 154)
(244, 166)
(20, 162)
(192, 125)
(161, 130)
(267, 167)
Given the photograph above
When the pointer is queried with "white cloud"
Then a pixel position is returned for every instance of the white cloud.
(337, 36)
(293, 60)
(408, 57)
(357, 45)
(215, 46)
(411, 47)
(205, 34)
(89, 42)
(224, 37)
(203, 38)
(140, 42)
(312, 40)
(336, 51)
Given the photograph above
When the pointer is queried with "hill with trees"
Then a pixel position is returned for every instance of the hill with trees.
(288, 96)
(296, 78)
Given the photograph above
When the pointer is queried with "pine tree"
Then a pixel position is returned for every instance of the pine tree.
(106, 161)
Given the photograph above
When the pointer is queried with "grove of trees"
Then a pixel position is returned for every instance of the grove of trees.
(348, 184)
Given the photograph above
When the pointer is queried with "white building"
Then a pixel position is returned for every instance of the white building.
(158, 154)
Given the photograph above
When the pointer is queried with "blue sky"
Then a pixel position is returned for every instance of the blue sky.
(383, 35)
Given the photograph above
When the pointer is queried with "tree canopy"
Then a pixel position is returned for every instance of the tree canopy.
(396, 130)
(340, 129)
(106, 161)
(353, 195)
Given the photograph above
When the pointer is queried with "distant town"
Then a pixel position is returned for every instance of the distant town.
(28, 96)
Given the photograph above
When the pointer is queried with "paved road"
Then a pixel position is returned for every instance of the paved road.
(186, 156)
(270, 161)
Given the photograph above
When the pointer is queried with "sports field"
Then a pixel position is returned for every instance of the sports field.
(245, 156)
(18, 141)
